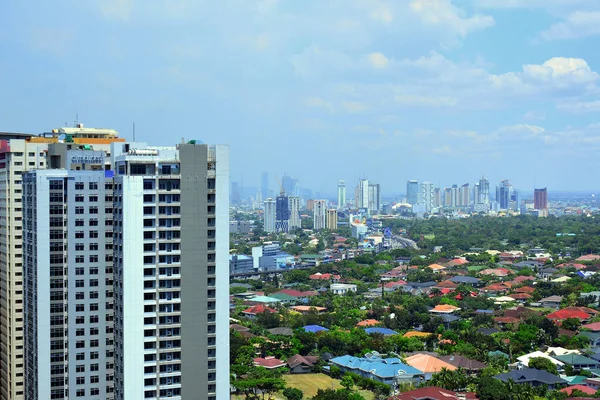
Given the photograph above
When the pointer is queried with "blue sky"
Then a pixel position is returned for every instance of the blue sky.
(439, 90)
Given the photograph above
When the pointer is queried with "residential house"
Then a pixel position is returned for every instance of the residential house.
(390, 371)
(466, 280)
(593, 338)
(269, 362)
(497, 272)
(533, 377)
(561, 315)
(380, 331)
(314, 328)
(281, 331)
(309, 309)
(547, 273)
(302, 364)
(589, 257)
(433, 393)
(428, 364)
(464, 363)
(342, 288)
(594, 326)
(582, 388)
(577, 361)
(523, 361)
(436, 267)
(253, 311)
(324, 277)
(444, 309)
(551, 301)
(419, 287)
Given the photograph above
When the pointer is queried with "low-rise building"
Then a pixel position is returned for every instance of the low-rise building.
(342, 288)
(390, 371)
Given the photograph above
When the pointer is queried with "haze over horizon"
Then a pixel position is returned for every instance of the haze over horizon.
(435, 90)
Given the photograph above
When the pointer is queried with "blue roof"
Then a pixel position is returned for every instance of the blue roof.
(383, 331)
(383, 368)
(480, 311)
(314, 328)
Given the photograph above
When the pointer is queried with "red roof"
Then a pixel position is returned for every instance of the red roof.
(268, 362)
(447, 284)
(506, 320)
(258, 309)
(595, 326)
(368, 322)
(523, 278)
(525, 289)
(323, 277)
(432, 393)
(574, 265)
(564, 314)
(586, 310)
(390, 285)
(583, 388)
(589, 257)
(520, 296)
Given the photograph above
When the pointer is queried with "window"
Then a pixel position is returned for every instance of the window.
(93, 246)
(79, 271)
(79, 210)
(79, 222)
(93, 234)
(80, 368)
(93, 282)
(79, 198)
(79, 186)
(94, 258)
(93, 210)
(79, 283)
(93, 185)
(79, 307)
(80, 344)
(94, 319)
(94, 222)
(93, 198)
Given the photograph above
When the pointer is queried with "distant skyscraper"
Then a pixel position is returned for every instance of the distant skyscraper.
(412, 192)
(294, 212)
(341, 203)
(264, 185)
(282, 213)
(515, 199)
(540, 199)
(503, 195)
(465, 196)
(481, 195)
(290, 185)
(363, 194)
(425, 197)
(448, 197)
(437, 197)
(319, 215)
(374, 202)
(269, 216)
(332, 219)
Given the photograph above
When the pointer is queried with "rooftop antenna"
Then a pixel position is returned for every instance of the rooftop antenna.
(134, 131)
(76, 119)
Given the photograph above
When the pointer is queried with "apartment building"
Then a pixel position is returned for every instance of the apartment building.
(171, 255)
(20, 153)
(67, 238)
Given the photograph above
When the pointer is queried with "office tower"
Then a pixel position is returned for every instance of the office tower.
(319, 215)
(341, 203)
(412, 192)
(171, 273)
(363, 194)
(68, 280)
(332, 219)
(264, 185)
(236, 197)
(464, 196)
(374, 198)
(294, 208)
(540, 199)
(503, 194)
(282, 213)
(290, 185)
(515, 199)
(483, 192)
(425, 196)
(269, 216)
(20, 153)
(437, 197)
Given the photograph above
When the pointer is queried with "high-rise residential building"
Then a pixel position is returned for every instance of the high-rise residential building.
(464, 196)
(425, 196)
(540, 199)
(294, 208)
(264, 185)
(319, 215)
(171, 272)
(412, 192)
(362, 200)
(448, 197)
(20, 153)
(282, 213)
(269, 216)
(332, 219)
(68, 279)
(503, 194)
(341, 203)
(374, 203)
(437, 197)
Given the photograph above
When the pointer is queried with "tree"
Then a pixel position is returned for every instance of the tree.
(492, 389)
(347, 382)
(543, 363)
(571, 324)
(293, 394)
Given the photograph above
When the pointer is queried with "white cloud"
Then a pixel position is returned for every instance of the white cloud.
(550, 4)
(518, 131)
(317, 102)
(353, 106)
(116, 9)
(534, 116)
(578, 24)
(378, 60)
(425, 100)
(444, 13)
(581, 107)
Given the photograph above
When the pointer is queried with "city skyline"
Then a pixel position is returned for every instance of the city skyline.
(439, 104)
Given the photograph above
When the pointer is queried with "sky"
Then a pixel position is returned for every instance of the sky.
(437, 90)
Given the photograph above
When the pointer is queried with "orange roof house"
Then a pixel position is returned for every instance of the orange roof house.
(417, 334)
(436, 267)
(428, 364)
(444, 309)
(368, 322)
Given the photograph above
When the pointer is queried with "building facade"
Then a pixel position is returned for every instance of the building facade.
(341, 199)
(332, 219)
(171, 256)
(269, 216)
(374, 203)
(294, 207)
(319, 215)
(425, 196)
(412, 192)
(540, 199)
(282, 213)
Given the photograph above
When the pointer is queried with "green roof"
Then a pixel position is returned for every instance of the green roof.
(590, 335)
(576, 359)
(311, 256)
(476, 267)
(283, 297)
(498, 353)
(574, 380)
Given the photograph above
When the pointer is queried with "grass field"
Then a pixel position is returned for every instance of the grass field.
(310, 383)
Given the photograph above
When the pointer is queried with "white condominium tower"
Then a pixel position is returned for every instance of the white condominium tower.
(341, 202)
(171, 273)
(319, 215)
(294, 208)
